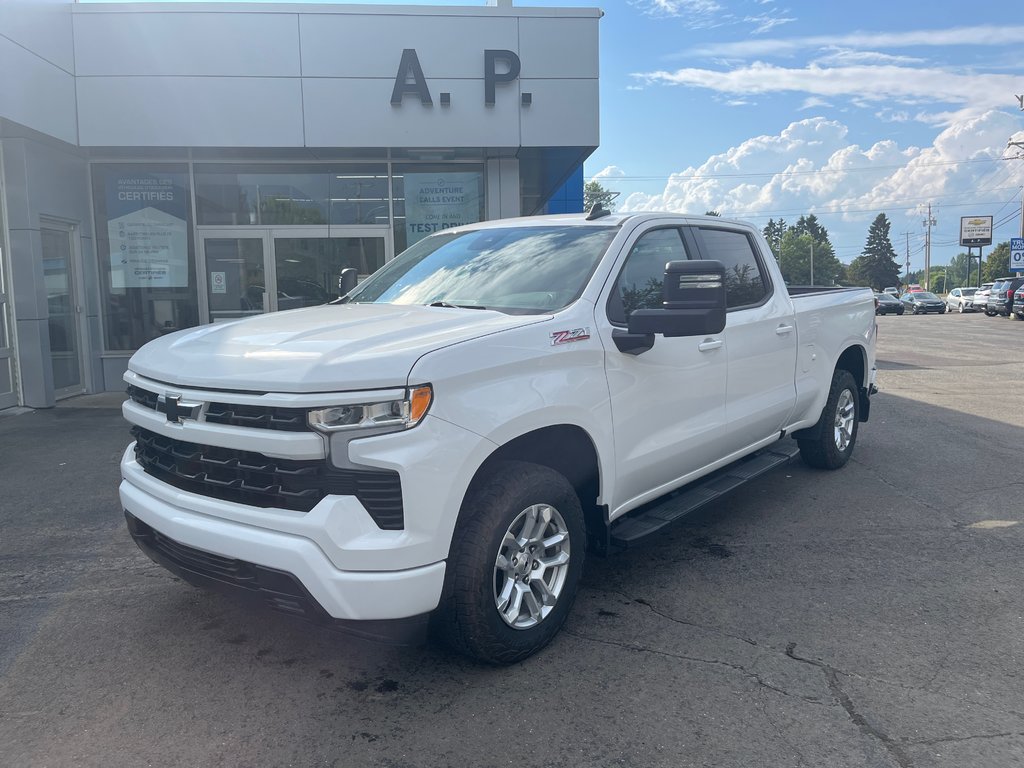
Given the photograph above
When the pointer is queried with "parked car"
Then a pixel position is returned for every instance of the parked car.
(981, 297)
(892, 291)
(923, 302)
(1018, 303)
(1000, 300)
(961, 299)
(885, 304)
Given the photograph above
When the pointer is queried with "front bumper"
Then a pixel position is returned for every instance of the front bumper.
(343, 594)
(278, 590)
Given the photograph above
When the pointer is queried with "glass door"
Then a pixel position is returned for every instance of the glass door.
(236, 276)
(65, 309)
(266, 270)
(307, 263)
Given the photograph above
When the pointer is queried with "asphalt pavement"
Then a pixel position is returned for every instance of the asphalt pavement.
(867, 617)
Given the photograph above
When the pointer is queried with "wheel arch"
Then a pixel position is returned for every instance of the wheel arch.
(567, 449)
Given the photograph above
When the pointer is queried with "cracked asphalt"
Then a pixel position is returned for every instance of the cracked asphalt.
(866, 617)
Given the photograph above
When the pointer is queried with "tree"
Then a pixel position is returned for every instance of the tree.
(595, 194)
(809, 225)
(773, 232)
(795, 260)
(877, 265)
(998, 263)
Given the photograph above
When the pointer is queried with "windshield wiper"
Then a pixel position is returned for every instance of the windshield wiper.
(449, 305)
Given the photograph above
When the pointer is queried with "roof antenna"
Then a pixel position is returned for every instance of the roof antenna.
(598, 212)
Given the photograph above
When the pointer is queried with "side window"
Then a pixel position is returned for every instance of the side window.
(639, 284)
(745, 282)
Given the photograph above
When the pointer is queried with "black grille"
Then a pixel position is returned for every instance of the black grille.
(258, 416)
(143, 397)
(236, 415)
(260, 481)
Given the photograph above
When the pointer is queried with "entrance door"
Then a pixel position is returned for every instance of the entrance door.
(236, 276)
(8, 397)
(65, 309)
(266, 270)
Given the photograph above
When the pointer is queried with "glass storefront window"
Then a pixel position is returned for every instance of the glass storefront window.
(291, 194)
(145, 252)
(430, 198)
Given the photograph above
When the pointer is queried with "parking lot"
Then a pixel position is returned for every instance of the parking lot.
(867, 617)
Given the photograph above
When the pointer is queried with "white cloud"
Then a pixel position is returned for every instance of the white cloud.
(810, 167)
(813, 102)
(609, 172)
(985, 35)
(864, 85)
(707, 14)
(846, 56)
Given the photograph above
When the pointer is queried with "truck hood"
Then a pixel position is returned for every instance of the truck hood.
(319, 349)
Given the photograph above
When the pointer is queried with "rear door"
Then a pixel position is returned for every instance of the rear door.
(760, 338)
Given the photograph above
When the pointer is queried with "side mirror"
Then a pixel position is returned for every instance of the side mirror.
(693, 302)
(347, 280)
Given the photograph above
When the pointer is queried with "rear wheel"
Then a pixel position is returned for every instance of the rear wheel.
(515, 564)
(837, 427)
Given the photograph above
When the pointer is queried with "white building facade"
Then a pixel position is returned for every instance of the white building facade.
(168, 165)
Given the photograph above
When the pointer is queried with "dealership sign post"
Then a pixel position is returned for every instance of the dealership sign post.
(975, 232)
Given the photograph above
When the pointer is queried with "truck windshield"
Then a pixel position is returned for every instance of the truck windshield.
(517, 270)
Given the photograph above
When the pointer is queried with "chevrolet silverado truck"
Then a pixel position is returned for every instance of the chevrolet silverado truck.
(438, 449)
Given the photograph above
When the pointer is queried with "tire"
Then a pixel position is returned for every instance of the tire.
(496, 612)
(960, 308)
(899, 311)
(837, 435)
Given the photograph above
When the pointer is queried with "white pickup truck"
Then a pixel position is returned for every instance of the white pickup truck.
(440, 447)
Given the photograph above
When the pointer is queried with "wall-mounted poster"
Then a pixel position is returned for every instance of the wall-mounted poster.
(436, 201)
(148, 230)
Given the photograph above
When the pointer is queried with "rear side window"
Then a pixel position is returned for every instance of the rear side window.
(640, 283)
(745, 281)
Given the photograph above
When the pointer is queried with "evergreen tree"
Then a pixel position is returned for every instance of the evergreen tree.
(877, 266)
(595, 194)
(773, 232)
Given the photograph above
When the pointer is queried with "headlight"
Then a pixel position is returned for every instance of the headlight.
(398, 414)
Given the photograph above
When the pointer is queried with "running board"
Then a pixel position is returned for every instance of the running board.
(632, 527)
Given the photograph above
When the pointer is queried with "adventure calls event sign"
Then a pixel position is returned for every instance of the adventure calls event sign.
(147, 226)
(436, 201)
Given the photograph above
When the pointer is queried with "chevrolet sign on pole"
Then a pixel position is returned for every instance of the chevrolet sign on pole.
(975, 231)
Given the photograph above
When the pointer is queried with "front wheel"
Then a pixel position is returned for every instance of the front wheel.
(837, 427)
(515, 564)
(960, 308)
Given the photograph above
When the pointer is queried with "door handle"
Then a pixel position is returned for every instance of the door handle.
(709, 344)
(782, 330)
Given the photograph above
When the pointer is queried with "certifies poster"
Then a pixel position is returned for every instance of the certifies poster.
(147, 228)
(436, 201)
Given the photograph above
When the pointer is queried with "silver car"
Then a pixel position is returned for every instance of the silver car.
(960, 300)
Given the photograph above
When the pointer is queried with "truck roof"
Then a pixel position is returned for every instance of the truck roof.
(609, 220)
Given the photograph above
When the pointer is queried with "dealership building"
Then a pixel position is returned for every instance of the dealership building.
(166, 165)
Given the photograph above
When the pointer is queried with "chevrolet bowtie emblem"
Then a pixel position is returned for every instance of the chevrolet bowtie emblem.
(176, 410)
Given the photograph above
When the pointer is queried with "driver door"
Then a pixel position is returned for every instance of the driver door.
(668, 403)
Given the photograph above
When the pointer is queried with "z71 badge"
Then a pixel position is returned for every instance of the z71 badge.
(565, 337)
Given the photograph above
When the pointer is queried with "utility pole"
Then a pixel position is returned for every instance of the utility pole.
(929, 223)
(1019, 145)
(812, 259)
(906, 280)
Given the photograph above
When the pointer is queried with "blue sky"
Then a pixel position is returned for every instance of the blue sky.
(765, 109)
(778, 108)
